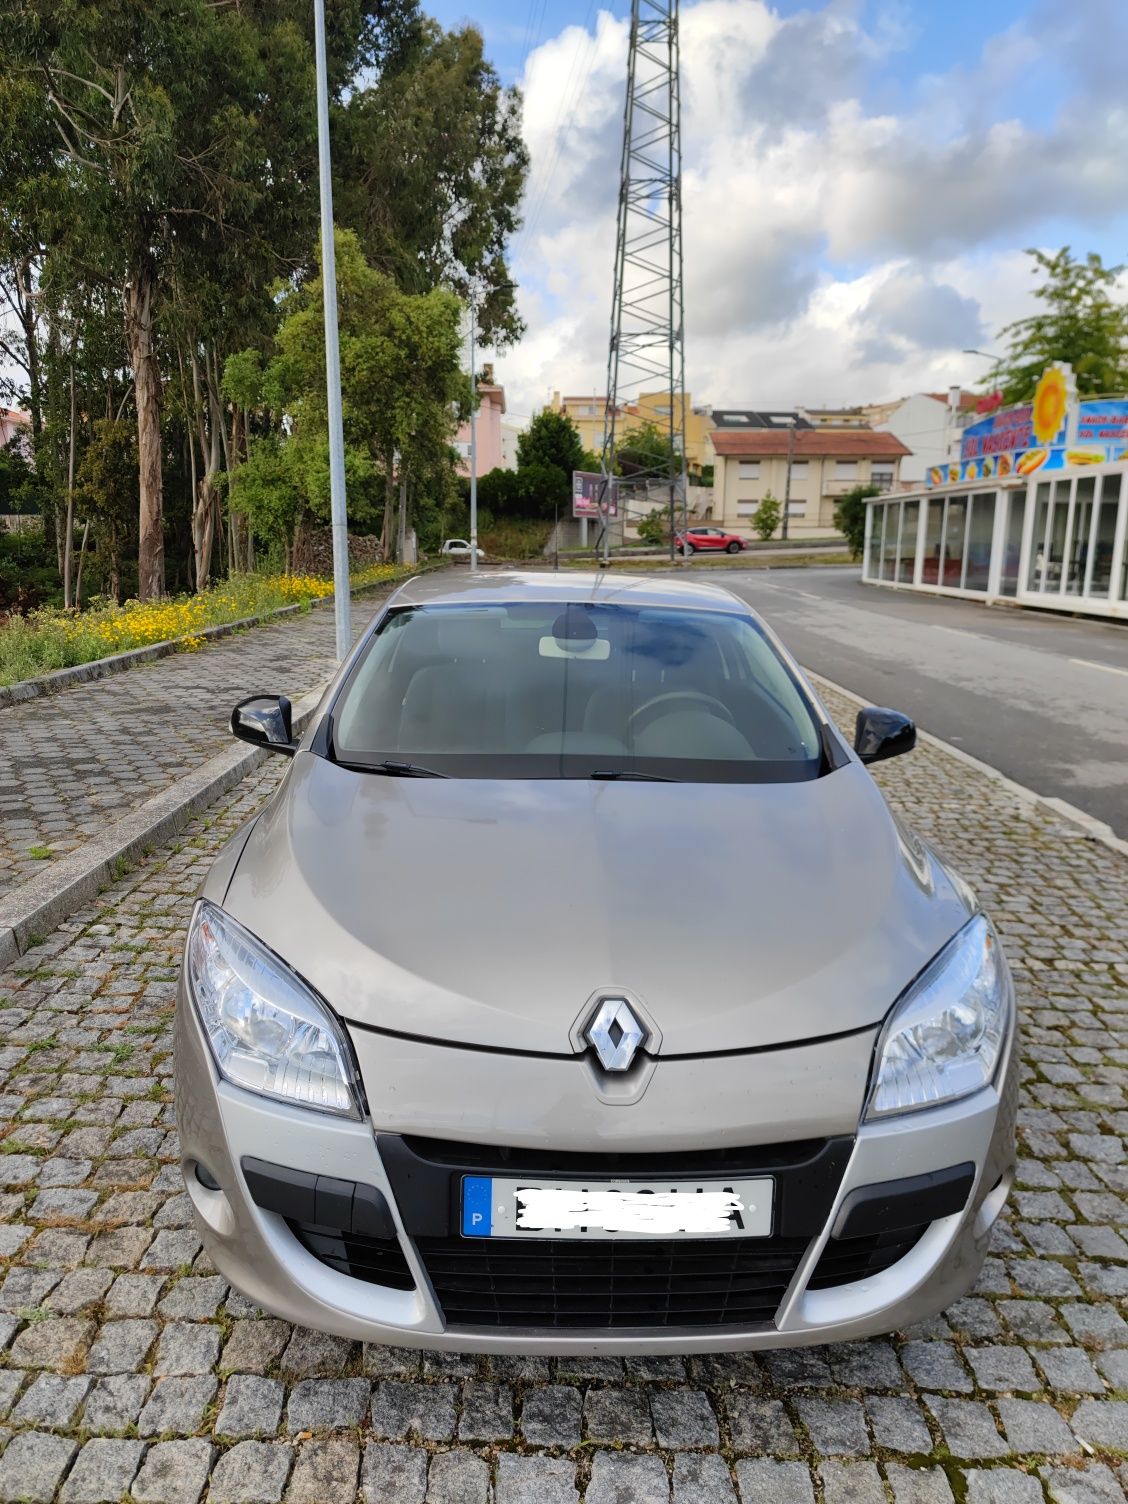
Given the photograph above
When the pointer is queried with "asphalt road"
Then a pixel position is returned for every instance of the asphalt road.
(1043, 698)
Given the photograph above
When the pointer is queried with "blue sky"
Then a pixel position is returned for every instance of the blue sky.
(861, 180)
(939, 33)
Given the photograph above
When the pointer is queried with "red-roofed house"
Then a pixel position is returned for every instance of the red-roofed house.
(825, 462)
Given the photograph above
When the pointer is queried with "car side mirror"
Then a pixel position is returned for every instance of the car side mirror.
(881, 733)
(265, 721)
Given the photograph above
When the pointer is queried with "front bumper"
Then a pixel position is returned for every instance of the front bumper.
(810, 1092)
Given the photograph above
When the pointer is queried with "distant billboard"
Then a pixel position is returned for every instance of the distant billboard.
(588, 493)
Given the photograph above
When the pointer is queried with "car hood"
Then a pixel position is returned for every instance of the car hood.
(741, 916)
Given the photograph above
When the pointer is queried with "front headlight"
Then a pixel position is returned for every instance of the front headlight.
(944, 1038)
(267, 1031)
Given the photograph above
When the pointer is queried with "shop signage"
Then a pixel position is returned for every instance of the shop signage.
(1049, 433)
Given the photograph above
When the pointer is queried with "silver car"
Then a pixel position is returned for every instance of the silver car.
(653, 1032)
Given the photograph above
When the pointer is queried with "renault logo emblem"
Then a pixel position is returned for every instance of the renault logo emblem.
(615, 1034)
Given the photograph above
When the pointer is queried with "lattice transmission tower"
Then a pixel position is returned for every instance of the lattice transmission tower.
(647, 347)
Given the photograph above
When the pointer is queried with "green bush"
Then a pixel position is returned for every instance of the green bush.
(765, 519)
(29, 573)
(850, 517)
(654, 528)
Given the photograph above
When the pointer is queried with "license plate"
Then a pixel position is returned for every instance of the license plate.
(502, 1207)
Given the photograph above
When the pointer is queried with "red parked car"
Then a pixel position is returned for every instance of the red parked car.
(695, 538)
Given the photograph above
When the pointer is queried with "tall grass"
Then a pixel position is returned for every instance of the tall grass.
(515, 538)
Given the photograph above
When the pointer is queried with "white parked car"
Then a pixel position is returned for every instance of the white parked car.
(459, 548)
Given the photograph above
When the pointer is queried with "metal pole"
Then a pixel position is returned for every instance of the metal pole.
(787, 481)
(473, 446)
(341, 599)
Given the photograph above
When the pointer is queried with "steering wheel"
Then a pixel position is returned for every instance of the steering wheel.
(696, 696)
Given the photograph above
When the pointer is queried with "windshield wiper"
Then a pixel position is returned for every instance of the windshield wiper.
(397, 769)
(609, 775)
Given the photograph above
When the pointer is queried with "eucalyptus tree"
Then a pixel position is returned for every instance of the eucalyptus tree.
(184, 136)
(430, 169)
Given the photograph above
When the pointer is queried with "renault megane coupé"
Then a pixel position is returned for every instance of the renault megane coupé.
(453, 1068)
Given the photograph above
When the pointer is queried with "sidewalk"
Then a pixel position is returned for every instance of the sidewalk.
(130, 1370)
(77, 761)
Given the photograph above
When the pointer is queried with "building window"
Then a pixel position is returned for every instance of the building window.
(750, 470)
(799, 469)
(882, 478)
(797, 509)
(746, 508)
(845, 469)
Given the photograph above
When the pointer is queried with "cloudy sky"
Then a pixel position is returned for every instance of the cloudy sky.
(861, 177)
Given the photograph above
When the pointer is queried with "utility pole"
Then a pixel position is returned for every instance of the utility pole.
(342, 604)
(646, 351)
(787, 481)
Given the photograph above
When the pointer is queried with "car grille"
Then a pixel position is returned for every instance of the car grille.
(377, 1261)
(844, 1260)
(548, 1283)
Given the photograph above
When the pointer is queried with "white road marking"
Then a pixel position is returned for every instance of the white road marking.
(809, 595)
(957, 631)
(1104, 667)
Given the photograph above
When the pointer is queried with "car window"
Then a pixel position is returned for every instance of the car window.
(560, 691)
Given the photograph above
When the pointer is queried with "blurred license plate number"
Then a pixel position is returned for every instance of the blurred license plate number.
(494, 1206)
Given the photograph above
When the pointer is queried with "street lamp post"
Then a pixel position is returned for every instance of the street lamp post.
(341, 600)
(473, 441)
(787, 479)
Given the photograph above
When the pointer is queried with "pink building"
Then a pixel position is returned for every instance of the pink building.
(491, 407)
(13, 422)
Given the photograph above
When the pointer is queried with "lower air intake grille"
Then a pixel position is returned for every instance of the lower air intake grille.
(844, 1260)
(379, 1261)
(559, 1283)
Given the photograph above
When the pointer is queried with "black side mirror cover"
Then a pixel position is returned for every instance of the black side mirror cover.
(880, 733)
(265, 721)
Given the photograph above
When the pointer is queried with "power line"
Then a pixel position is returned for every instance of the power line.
(569, 98)
(532, 32)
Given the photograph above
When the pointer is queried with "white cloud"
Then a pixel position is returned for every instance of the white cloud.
(832, 251)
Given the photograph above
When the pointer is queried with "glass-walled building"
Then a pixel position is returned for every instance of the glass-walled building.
(1059, 542)
(1034, 510)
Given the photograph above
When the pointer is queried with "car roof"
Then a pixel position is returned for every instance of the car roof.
(589, 587)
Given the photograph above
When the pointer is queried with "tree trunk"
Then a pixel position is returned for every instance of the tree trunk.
(68, 540)
(205, 500)
(245, 433)
(29, 324)
(389, 507)
(139, 294)
(81, 558)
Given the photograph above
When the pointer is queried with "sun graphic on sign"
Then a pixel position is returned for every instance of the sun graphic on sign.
(1051, 402)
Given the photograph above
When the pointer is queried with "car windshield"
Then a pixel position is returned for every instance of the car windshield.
(575, 691)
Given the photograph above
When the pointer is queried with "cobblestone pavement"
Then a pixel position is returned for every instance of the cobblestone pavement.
(74, 760)
(131, 1371)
